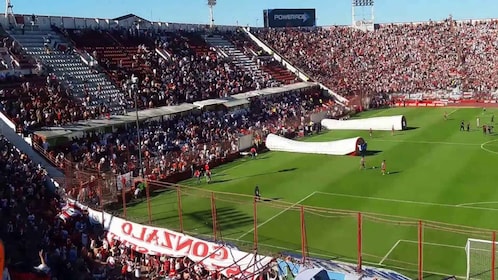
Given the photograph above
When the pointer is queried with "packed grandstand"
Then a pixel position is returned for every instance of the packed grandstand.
(59, 82)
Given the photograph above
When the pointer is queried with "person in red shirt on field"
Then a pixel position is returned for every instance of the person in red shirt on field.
(254, 153)
(208, 176)
(197, 175)
(383, 167)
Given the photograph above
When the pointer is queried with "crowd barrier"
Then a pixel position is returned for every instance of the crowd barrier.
(410, 246)
(151, 240)
(425, 103)
(443, 103)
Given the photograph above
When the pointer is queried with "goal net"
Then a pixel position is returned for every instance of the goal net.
(480, 259)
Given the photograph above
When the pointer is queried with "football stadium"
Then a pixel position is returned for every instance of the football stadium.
(135, 148)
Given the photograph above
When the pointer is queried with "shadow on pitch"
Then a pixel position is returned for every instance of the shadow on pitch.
(394, 172)
(411, 128)
(318, 250)
(372, 153)
(271, 199)
(220, 181)
(227, 218)
(287, 170)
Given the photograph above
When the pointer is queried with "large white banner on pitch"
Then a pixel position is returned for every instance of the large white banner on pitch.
(377, 123)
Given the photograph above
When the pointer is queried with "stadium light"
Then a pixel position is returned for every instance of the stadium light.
(363, 3)
(211, 4)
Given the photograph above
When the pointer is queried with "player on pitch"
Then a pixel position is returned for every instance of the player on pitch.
(362, 163)
(257, 195)
(383, 167)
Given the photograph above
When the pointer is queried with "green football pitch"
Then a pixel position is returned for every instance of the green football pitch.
(438, 174)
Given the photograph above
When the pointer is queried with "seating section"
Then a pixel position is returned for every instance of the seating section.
(87, 85)
(32, 102)
(177, 144)
(406, 58)
(193, 71)
(240, 59)
(47, 237)
(265, 60)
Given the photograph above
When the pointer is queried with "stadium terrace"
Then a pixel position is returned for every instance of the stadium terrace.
(123, 142)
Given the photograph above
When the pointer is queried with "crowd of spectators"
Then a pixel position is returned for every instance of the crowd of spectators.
(41, 101)
(406, 58)
(41, 243)
(184, 75)
(182, 143)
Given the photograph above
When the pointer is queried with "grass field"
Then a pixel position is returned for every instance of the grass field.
(437, 173)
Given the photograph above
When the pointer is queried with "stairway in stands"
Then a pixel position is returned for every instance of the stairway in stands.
(238, 57)
(72, 71)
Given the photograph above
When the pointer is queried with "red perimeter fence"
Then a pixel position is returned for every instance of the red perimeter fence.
(420, 248)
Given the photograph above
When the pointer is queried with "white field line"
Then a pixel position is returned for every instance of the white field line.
(488, 150)
(276, 215)
(346, 259)
(478, 203)
(434, 244)
(408, 201)
(389, 252)
(427, 142)
(452, 112)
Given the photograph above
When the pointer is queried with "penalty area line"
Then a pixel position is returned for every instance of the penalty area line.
(390, 251)
(276, 215)
(434, 244)
(416, 242)
(390, 200)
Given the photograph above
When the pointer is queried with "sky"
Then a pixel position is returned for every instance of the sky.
(249, 12)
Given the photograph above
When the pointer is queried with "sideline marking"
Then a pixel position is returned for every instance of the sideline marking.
(389, 252)
(276, 215)
(428, 142)
(488, 150)
(478, 203)
(408, 201)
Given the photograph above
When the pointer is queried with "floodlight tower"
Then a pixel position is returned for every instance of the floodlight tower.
(8, 11)
(211, 4)
(366, 19)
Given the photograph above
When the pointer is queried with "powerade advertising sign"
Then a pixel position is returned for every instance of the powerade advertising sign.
(290, 17)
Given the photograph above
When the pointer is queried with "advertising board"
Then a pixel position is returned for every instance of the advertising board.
(289, 17)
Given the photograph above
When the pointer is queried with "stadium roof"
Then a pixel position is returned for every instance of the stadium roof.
(130, 16)
(78, 128)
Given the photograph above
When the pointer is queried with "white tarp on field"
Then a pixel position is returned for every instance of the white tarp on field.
(339, 147)
(378, 123)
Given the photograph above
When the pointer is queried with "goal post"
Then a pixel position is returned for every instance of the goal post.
(481, 258)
